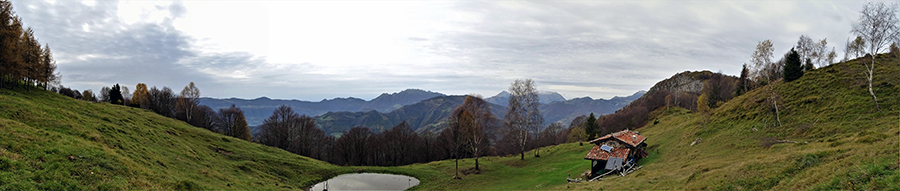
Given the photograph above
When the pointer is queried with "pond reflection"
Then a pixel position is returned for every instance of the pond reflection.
(367, 181)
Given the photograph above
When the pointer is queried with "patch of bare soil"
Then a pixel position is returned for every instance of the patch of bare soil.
(470, 170)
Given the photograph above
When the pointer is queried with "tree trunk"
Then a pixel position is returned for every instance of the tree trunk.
(775, 103)
(476, 163)
(457, 168)
(871, 71)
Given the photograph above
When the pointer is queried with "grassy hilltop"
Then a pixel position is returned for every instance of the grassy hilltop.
(48, 141)
(52, 142)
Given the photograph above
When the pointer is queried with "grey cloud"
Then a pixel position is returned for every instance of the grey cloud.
(112, 51)
(613, 48)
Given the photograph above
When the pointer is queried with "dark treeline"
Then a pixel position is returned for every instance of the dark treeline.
(23, 61)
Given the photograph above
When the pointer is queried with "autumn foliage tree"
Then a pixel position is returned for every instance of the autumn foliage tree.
(577, 130)
(23, 61)
(141, 96)
(473, 119)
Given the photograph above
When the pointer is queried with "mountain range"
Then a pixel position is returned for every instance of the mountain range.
(423, 110)
(257, 110)
(545, 97)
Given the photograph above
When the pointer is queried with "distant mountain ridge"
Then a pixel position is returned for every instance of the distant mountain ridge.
(430, 114)
(257, 110)
(566, 111)
(545, 97)
(422, 116)
(423, 110)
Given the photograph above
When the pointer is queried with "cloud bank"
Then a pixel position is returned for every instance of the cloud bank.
(315, 50)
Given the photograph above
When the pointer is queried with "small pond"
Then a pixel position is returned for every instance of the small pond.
(367, 181)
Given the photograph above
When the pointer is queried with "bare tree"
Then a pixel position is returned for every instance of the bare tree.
(829, 58)
(806, 48)
(760, 60)
(401, 144)
(353, 147)
(126, 95)
(231, 122)
(878, 26)
(820, 54)
(104, 94)
(522, 116)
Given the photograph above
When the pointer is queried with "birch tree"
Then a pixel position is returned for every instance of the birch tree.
(760, 60)
(522, 116)
(878, 26)
(190, 98)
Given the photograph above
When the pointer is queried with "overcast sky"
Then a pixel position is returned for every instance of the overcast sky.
(312, 50)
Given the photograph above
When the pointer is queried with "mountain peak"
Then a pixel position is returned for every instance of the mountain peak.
(544, 96)
(389, 102)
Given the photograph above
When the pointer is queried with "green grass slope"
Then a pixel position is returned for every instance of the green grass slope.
(51, 142)
(842, 143)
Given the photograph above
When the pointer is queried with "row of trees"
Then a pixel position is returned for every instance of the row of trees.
(877, 31)
(471, 131)
(23, 61)
(183, 106)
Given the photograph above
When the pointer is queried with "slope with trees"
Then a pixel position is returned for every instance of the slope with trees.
(878, 26)
(23, 61)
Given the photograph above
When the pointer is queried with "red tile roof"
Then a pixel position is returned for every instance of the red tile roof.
(599, 154)
(626, 136)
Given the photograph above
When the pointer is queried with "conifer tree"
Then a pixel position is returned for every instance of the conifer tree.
(115, 96)
(792, 67)
(591, 127)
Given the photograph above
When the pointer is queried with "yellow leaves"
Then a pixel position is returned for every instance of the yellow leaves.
(702, 103)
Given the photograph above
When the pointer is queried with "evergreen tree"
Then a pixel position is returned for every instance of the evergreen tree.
(792, 68)
(115, 96)
(591, 127)
(808, 66)
(743, 82)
